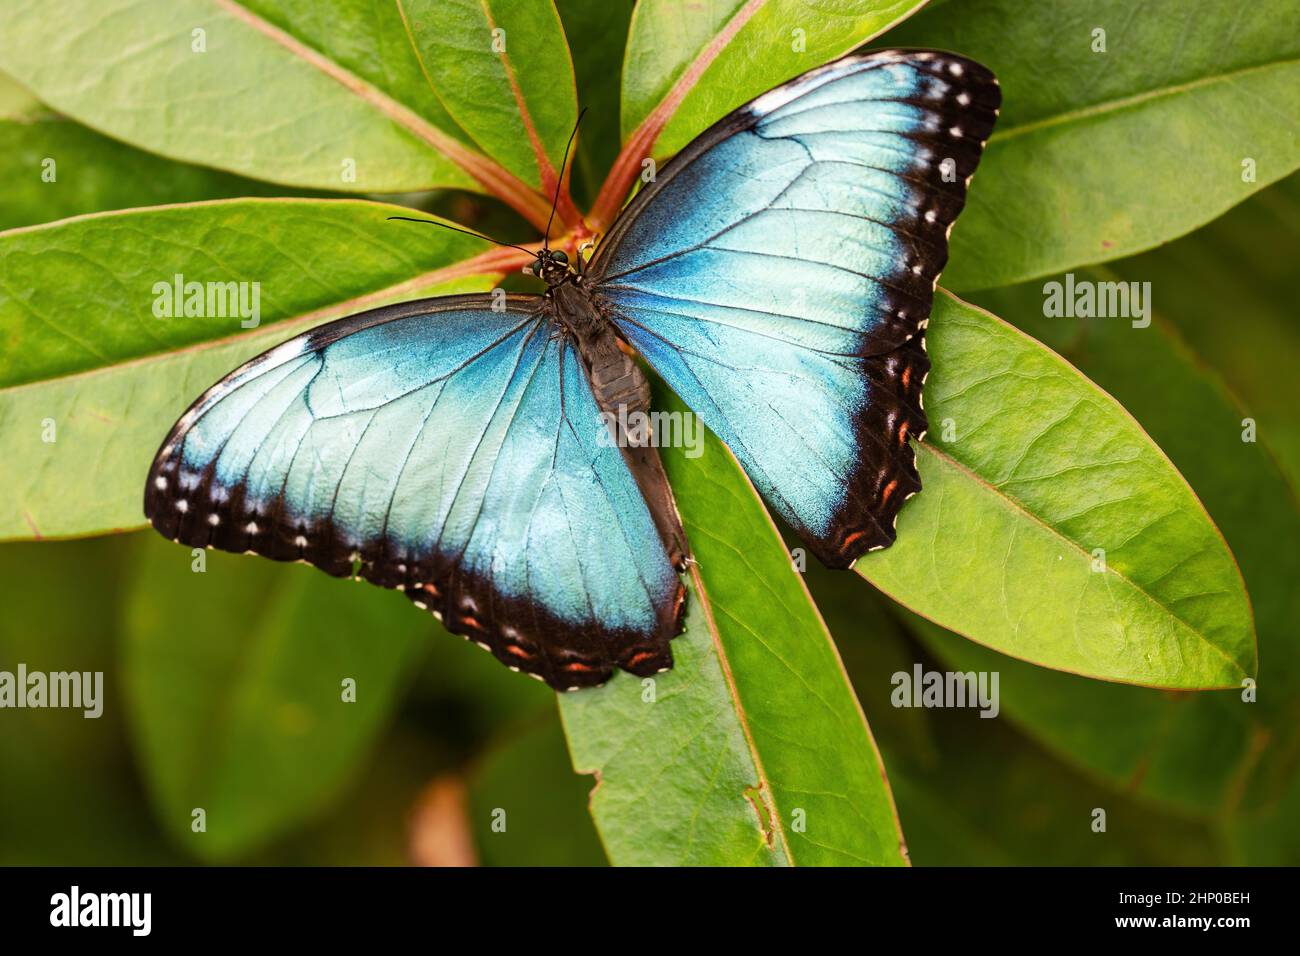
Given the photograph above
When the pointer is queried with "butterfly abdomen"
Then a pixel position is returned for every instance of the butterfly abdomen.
(617, 383)
(622, 393)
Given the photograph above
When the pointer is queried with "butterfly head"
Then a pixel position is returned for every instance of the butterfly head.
(551, 266)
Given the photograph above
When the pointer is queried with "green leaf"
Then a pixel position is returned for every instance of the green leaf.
(1197, 752)
(297, 99)
(93, 173)
(688, 65)
(1051, 528)
(502, 71)
(16, 101)
(236, 676)
(1100, 155)
(699, 765)
(597, 33)
(711, 57)
(109, 380)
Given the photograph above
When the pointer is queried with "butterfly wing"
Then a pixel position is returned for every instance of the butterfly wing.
(447, 450)
(779, 275)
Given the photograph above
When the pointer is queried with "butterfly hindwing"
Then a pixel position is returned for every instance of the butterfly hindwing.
(448, 450)
(780, 271)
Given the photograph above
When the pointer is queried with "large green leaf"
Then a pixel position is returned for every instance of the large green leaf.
(269, 89)
(1100, 155)
(1051, 528)
(85, 355)
(701, 765)
(55, 168)
(502, 70)
(1195, 751)
(235, 675)
(93, 173)
(689, 64)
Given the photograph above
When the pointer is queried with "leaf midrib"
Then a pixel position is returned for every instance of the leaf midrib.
(486, 263)
(764, 786)
(825, 634)
(1016, 506)
(1126, 102)
(494, 178)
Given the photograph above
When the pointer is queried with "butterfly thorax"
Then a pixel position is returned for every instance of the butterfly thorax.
(617, 382)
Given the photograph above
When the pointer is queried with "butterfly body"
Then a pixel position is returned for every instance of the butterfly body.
(622, 393)
(777, 275)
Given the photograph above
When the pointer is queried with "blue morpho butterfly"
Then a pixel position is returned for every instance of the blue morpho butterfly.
(778, 275)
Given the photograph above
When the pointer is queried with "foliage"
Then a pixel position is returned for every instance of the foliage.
(1078, 472)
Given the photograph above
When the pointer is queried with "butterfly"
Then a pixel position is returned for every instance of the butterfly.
(777, 274)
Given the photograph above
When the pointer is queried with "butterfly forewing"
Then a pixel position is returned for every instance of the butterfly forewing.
(780, 272)
(447, 450)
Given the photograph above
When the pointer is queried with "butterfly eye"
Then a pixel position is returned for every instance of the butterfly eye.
(560, 257)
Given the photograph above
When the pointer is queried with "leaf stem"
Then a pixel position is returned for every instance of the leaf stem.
(494, 178)
(638, 147)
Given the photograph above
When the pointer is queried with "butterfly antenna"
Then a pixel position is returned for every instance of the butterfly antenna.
(559, 181)
(476, 235)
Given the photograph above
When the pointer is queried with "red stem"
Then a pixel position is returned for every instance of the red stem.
(639, 145)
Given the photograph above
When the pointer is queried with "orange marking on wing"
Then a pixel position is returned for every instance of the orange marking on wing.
(636, 659)
(518, 651)
(902, 433)
(430, 590)
(471, 622)
(579, 667)
(848, 542)
(907, 377)
(889, 490)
